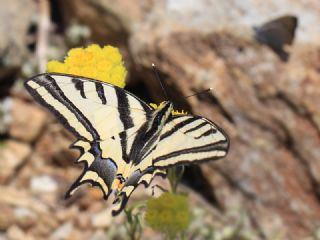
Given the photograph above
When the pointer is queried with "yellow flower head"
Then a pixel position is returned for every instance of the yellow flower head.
(174, 112)
(104, 64)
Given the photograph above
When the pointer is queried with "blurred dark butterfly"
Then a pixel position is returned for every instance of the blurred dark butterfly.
(277, 33)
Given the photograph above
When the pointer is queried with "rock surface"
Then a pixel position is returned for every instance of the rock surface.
(264, 105)
(12, 154)
(273, 133)
(43, 184)
(27, 121)
(270, 182)
(14, 35)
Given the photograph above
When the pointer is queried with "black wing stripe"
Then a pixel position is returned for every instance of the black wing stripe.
(79, 86)
(124, 109)
(126, 119)
(59, 116)
(58, 94)
(147, 148)
(177, 127)
(207, 133)
(186, 162)
(100, 91)
(205, 148)
(196, 127)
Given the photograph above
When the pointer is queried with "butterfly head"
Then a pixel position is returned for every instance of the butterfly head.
(165, 108)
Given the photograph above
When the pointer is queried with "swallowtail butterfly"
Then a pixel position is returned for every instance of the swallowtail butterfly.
(123, 141)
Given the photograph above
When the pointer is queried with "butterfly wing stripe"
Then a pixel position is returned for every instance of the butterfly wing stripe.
(202, 130)
(196, 127)
(124, 114)
(108, 91)
(207, 133)
(100, 91)
(57, 92)
(45, 98)
(124, 110)
(150, 147)
(91, 106)
(200, 149)
(177, 127)
(183, 160)
(79, 86)
(90, 93)
(128, 120)
(111, 148)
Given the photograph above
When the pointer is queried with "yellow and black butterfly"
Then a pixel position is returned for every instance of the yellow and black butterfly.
(123, 141)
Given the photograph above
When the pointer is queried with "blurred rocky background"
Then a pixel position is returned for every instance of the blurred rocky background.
(269, 185)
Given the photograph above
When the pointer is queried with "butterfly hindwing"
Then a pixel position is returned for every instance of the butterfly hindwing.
(144, 178)
(98, 171)
(103, 161)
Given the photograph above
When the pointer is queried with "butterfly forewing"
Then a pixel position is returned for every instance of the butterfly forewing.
(92, 110)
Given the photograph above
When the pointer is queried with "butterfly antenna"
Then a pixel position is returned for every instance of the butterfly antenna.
(199, 93)
(159, 79)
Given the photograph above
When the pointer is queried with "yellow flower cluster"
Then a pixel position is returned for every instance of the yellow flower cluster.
(169, 213)
(174, 112)
(104, 64)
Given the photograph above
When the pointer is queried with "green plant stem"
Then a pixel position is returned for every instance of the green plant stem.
(133, 226)
(174, 176)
